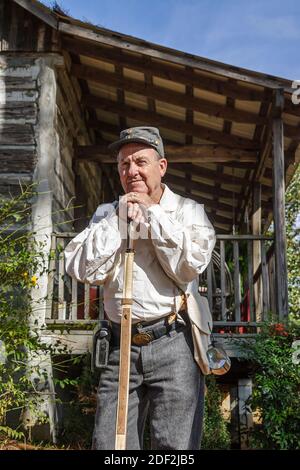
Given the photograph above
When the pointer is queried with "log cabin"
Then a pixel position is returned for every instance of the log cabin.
(232, 139)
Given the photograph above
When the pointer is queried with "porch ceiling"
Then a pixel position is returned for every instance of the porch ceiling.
(214, 118)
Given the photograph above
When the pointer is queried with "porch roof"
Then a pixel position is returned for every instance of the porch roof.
(215, 118)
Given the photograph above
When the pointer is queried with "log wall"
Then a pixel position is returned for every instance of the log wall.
(26, 43)
(18, 119)
(19, 133)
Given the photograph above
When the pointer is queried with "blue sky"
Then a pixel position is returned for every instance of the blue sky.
(262, 35)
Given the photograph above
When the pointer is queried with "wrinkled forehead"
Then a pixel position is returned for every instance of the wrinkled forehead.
(135, 150)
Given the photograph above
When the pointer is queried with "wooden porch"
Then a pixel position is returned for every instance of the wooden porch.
(240, 297)
(231, 138)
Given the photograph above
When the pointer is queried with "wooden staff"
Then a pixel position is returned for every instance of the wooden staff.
(125, 347)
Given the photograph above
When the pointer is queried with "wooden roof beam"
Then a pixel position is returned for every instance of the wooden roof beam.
(112, 55)
(151, 118)
(210, 174)
(40, 11)
(198, 186)
(223, 178)
(203, 153)
(206, 201)
(162, 94)
(115, 130)
(112, 38)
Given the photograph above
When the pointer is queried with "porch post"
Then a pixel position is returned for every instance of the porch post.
(40, 362)
(281, 289)
(256, 230)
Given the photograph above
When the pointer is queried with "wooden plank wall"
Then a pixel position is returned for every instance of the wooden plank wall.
(19, 128)
(18, 118)
(21, 31)
(19, 91)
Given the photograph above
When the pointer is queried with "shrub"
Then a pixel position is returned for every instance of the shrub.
(21, 264)
(276, 386)
(215, 430)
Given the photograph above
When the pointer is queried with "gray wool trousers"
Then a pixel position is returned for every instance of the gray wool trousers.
(165, 382)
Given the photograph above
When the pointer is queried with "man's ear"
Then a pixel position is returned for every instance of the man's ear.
(163, 164)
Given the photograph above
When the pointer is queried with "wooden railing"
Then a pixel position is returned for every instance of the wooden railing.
(239, 281)
(68, 300)
(240, 291)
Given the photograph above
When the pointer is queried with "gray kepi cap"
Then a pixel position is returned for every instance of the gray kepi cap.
(144, 135)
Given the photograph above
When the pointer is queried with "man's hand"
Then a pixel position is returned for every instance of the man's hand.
(137, 204)
(142, 199)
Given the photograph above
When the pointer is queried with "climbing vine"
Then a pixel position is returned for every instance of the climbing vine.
(21, 265)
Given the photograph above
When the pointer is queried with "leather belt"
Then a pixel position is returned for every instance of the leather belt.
(153, 331)
(144, 332)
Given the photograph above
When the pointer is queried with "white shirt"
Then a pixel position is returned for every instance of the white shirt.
(165, 264)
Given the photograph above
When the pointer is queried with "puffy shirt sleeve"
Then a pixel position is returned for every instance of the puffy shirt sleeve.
(184, 243)
(91, 255)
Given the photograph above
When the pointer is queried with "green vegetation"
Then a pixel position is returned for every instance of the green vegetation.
(22, 379)
(276, 386)
(293, 242)
(216, 434)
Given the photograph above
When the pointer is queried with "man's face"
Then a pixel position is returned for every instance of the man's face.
(140, 169)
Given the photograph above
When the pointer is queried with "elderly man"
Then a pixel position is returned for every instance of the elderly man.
(175, 245)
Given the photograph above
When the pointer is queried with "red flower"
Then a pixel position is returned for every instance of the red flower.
(279, 329)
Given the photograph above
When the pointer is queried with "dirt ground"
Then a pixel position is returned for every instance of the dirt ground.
(15, 445)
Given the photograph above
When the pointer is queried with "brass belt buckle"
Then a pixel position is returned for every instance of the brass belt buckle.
(141, 339)
(171, 318)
